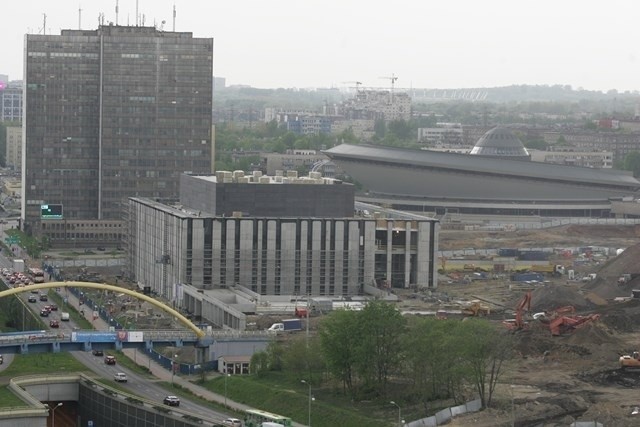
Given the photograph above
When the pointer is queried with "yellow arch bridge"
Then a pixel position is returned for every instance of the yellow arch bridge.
(84, 340)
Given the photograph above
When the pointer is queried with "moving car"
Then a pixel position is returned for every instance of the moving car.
(120, 377)
(171, 401)
(97, 353)
(54, 323)
(44, 297)
(1, 359)
(44, 313)
(53, 307)
(232, 422)
(110, 360)
(32, 298)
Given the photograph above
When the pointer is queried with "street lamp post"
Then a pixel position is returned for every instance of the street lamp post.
(53, 413)
(309, 385)
(225, 388)
(399, 413)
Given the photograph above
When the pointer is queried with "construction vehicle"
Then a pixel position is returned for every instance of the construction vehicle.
(523, 306)
(567, 324)
(476, 308)
(630, 361)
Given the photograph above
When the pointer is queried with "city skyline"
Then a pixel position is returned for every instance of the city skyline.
(455, 44)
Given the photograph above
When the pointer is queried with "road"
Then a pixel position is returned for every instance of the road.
(136, 384)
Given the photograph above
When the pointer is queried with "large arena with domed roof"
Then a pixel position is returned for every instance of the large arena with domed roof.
(496, 178)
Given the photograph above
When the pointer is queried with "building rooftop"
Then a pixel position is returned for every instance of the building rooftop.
(499, 142)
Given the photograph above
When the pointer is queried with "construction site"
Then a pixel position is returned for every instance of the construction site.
(577, 329)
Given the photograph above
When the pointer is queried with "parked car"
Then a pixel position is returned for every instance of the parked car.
(97, 353)
(120, 377)
(171, 401)
(32, 298)
(110, 360)
(54, 323)
(1, 359)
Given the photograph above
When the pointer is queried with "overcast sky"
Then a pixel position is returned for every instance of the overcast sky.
(329, 43)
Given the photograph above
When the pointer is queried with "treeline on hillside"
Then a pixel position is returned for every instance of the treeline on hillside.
(378, 353)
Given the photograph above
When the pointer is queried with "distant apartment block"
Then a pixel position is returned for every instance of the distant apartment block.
(444, 134)
(377, 105)
(566, 156)
(293, 160)
(11, 101)
(620, 144)
(361, 128)
(13, 154)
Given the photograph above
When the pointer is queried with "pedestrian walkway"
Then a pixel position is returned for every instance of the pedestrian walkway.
(157, 370)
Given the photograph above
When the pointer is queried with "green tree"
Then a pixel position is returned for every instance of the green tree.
(338, 340)
(380, 128)
(483, 351)
(632, 163)
(380, 327)
(303, 358)
(259, 363)
(402, 130)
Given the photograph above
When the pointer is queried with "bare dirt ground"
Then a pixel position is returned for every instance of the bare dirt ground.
(556, 380)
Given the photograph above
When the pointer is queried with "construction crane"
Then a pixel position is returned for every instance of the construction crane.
(393, 79)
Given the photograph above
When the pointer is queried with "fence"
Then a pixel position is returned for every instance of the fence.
(445, 415)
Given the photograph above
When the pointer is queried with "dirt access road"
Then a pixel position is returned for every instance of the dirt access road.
(554, 381)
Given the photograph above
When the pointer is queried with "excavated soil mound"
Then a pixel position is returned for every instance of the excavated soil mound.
(606, 283)
(553, 296)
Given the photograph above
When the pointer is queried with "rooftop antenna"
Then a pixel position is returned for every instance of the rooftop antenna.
(79, 17)
(137, 16)
(44, 23)
(117, 12)
(174, 17)
(142, 22)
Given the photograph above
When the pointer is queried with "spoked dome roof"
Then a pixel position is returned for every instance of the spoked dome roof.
(500, 142)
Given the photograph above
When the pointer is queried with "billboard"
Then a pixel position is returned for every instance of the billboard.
(51, 211)
(93, 336)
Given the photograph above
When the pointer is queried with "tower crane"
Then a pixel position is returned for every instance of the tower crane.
(393, 79)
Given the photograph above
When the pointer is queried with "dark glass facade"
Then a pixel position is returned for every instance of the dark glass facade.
(113, 113)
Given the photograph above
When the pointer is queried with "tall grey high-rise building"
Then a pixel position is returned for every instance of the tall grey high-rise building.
(112, 113)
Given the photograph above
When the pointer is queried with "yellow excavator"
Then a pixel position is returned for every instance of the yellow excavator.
(476, 308)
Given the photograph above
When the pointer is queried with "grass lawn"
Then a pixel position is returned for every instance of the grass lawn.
(286, 396)
(9, 400)
(43, 363)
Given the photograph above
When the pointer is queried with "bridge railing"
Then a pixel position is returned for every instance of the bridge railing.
(33, 337)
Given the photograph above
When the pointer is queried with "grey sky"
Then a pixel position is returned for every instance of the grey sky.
(425, 43)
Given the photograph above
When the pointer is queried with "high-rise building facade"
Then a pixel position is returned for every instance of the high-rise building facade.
(10, 101)
(113, 113)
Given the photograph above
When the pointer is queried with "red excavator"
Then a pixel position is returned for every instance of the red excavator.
(518, 323)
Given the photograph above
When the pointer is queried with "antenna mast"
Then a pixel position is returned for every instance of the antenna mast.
(79, 17)
(44, 23)
(137, 19)
(116, 12)
(174, 17)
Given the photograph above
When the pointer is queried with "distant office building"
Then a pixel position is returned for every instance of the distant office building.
(378, 105)
(444, 134)
(13, 154)
(10, 101)
(219, 83)
(112, 113)
(573, 157)
(293, 160)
